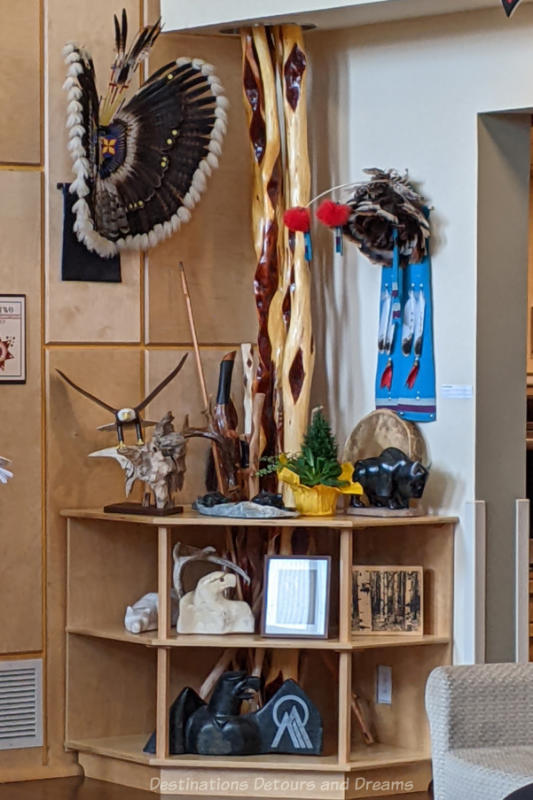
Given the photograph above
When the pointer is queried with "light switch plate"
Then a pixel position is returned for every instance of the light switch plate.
(384, 685)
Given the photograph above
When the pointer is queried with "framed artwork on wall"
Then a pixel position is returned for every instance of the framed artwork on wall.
(387, 600)
(12, 338)
(296, 599)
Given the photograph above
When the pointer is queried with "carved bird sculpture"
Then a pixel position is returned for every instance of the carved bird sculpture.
(127, 416)
(140, 163)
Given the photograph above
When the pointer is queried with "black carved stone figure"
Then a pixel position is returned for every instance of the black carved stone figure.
(185, 704)
(390, 480)
(287, 723)
(217, 729)
(265, 498)
(212, 499)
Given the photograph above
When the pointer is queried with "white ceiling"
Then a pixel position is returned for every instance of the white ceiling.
(214, 15)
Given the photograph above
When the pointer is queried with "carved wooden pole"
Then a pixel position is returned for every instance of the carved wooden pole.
(261, 107)
(299, 355)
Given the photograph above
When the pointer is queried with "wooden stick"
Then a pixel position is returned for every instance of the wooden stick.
(203, 388)
(355, 704)
(284, 662)
(220, 667)
(253, 480)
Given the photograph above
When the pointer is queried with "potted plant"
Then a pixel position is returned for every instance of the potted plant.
(315, 475)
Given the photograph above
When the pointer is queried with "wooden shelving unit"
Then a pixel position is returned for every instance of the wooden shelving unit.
(120, 685)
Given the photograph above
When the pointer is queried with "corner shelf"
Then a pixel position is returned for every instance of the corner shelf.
(129, 748)
(120, 685)
(253, 640)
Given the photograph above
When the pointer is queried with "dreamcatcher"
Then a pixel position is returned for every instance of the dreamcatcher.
(140, 163)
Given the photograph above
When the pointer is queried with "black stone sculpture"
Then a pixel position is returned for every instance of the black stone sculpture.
(265, 498)
(212, 499)
(287, 723)
(390, 480)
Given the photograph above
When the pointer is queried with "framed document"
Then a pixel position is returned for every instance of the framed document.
(388, 600)
(12, 338)
(296, 601)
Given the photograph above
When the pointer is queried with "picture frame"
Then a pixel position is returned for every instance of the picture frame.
(12, 338)
(387, 600)
(296, 596)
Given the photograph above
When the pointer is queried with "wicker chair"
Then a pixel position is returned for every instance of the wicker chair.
(481, 722)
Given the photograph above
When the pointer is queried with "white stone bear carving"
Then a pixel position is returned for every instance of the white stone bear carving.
(206, 610)
(143, 615)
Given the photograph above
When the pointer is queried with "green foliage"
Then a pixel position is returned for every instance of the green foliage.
(319, 439)
(317, 462)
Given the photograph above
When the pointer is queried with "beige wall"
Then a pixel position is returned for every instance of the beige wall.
(116, 339)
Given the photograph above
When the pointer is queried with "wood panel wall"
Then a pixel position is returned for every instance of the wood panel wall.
(116, 339)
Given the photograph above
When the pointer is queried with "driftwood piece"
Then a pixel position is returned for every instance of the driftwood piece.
(159, 464)
(298, 359)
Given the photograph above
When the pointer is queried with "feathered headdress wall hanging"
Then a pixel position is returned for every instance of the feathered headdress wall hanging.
(389, 222)
(382, 213)
(140, 163)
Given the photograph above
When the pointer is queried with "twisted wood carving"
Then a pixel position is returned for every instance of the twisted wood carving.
(274, 58)
(261, 108)
(298, 356)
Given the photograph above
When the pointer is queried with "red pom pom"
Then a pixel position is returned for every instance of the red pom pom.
(334, 215)
(297, 219)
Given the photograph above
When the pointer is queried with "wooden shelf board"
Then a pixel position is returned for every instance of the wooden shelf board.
(129, 748)
(191, 518)
(370, 642)
(115, 632)
(149, 639)
(379, 755)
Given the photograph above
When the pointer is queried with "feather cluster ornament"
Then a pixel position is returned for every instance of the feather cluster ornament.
(298, 218)
(141, 163)
(334, 215)
(382, 208)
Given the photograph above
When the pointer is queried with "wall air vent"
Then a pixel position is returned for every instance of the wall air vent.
(21, 723)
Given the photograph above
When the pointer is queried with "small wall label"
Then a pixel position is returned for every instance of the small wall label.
(456, 391)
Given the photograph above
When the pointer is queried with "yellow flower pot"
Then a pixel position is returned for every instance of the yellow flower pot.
(315, 501)
(319, 501)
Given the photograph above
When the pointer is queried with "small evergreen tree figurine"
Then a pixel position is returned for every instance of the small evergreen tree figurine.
(317, 462)
(319, 439)
(315, 475)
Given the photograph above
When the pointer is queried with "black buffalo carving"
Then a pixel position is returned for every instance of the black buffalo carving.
(390, 480)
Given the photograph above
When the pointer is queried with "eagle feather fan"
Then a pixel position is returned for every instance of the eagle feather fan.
(140, 163)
